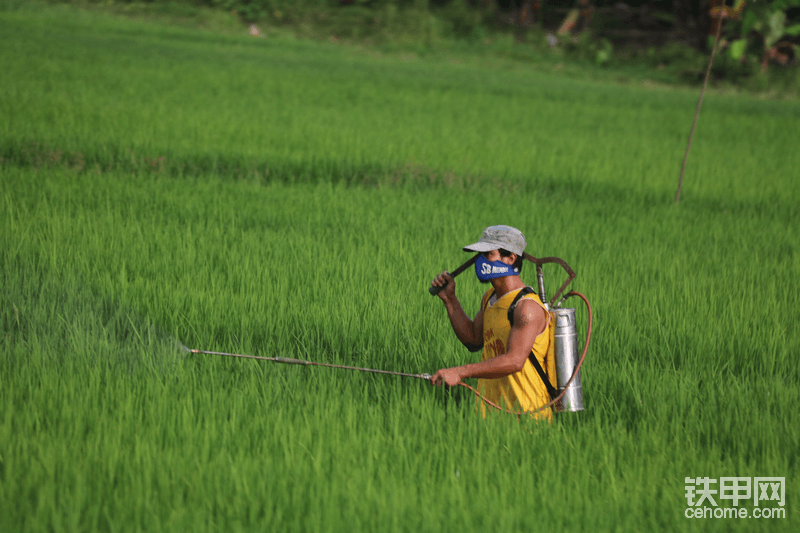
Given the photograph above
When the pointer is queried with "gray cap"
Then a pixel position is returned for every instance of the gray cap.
(496, 237)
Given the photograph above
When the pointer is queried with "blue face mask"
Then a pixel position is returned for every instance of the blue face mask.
(486, 270)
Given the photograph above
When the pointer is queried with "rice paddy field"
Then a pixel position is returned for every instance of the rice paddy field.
(165, 186)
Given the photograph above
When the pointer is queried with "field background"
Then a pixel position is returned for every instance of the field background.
(164, 186)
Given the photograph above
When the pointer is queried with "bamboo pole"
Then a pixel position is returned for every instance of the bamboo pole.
(722, 15)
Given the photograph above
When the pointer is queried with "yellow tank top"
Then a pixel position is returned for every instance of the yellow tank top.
(523, 390)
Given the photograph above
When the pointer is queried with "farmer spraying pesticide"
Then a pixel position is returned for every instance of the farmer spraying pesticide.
(527, 346)
(506, 374)
(514, 328)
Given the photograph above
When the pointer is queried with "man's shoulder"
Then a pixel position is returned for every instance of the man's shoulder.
(531, 296)
(529, 309)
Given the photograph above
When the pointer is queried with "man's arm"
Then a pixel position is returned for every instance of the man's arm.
(530, 320)
(469, 332)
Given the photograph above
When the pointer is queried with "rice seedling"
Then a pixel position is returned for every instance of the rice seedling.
(165, 187)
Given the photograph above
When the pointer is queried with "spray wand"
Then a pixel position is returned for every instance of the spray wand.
(291, 361)
(426, 377)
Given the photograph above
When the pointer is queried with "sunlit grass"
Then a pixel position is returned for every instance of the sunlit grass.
(134, 96)
(305, 198)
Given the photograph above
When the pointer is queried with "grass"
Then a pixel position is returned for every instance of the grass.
(459, 35)
(164, 186)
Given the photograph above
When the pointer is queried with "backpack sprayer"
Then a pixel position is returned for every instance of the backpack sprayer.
(570, 396)
(565, 337)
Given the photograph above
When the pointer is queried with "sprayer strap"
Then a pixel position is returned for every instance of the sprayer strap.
(532, 356)
(517, 298)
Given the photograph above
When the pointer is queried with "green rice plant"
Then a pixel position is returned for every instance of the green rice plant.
(309, 224)
(138, 280)
(182, 102)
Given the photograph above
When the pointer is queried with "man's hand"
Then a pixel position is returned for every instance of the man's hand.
(449, 376)
(445, 280)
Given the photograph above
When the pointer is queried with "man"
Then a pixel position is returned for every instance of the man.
(506, 375)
